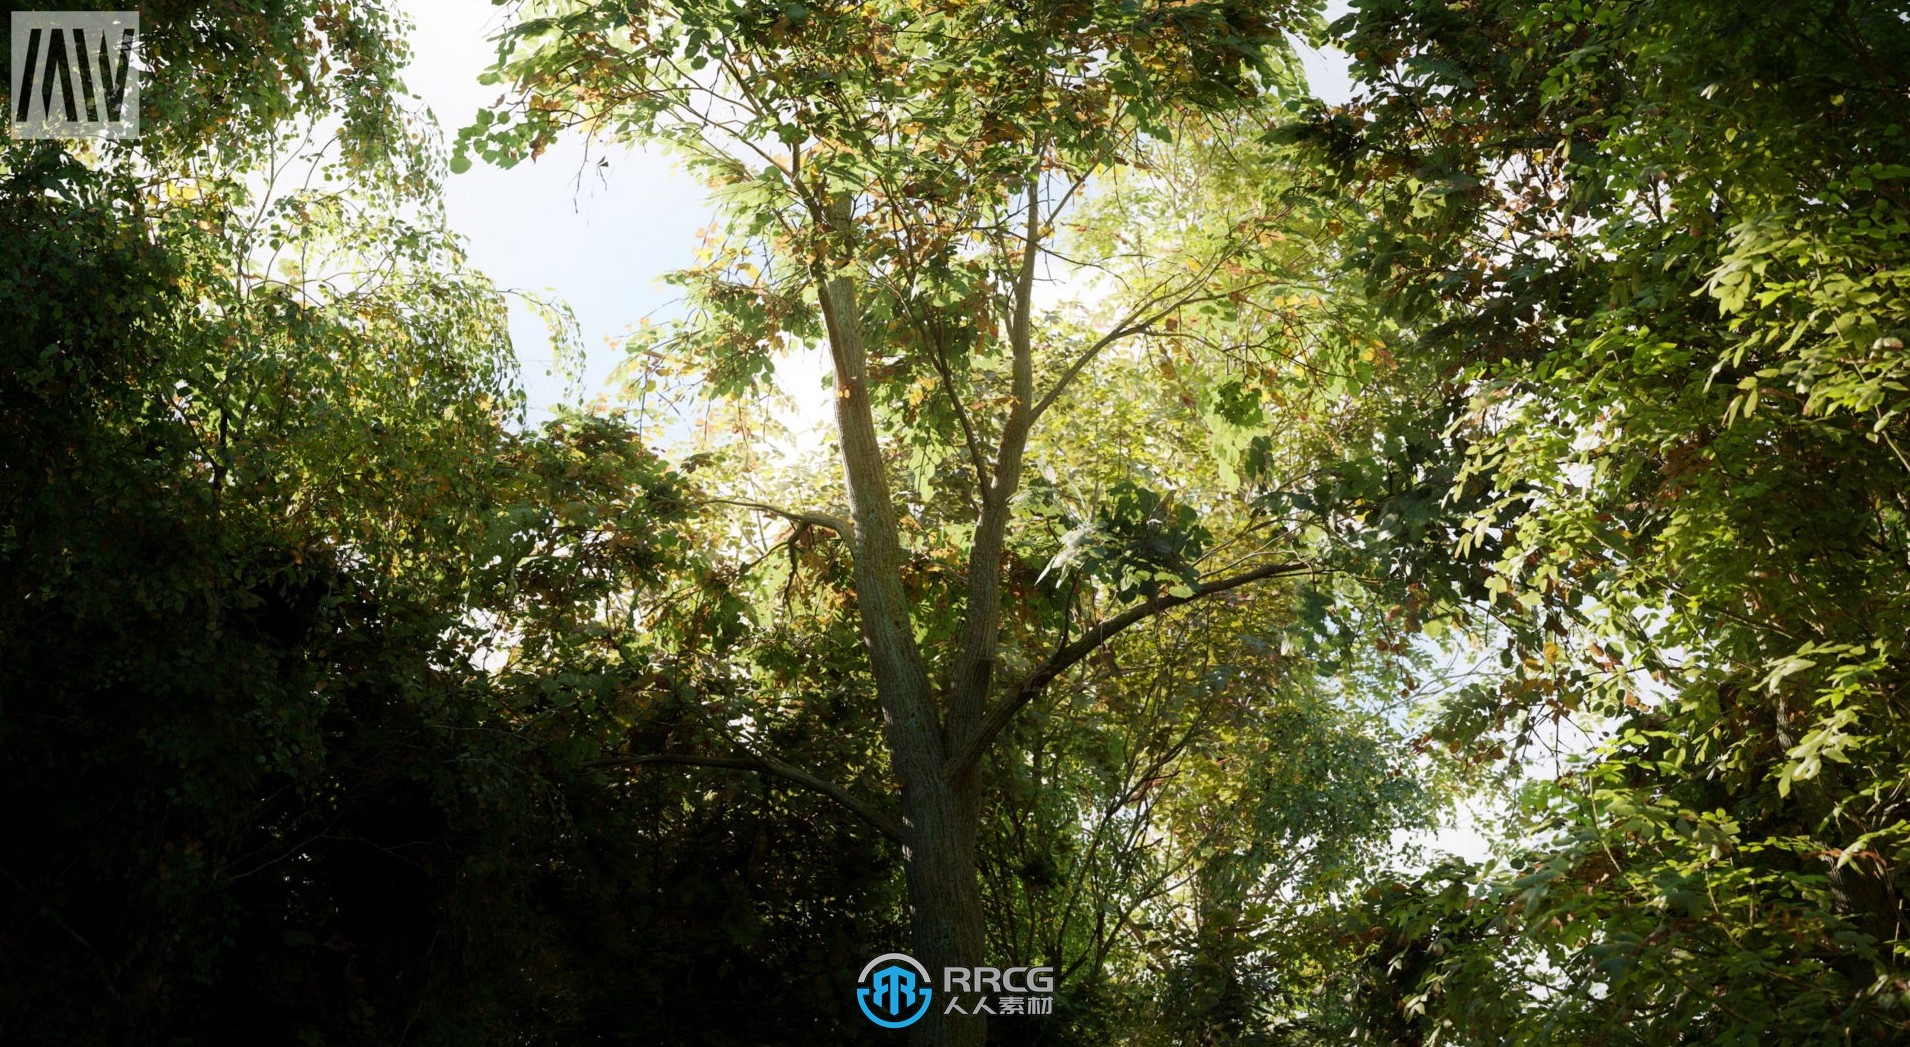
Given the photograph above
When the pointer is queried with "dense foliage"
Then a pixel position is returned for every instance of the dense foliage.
(1219, 483)
(304, 651)
(1662, 251)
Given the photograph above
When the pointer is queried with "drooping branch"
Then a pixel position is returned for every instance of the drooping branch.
(977, 460)
(833, 523)
(770, 766)
(998, 718)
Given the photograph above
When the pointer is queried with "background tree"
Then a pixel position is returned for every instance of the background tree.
(1660, 249)
(306, 648)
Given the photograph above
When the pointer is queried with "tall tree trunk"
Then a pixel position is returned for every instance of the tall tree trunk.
(940, 817)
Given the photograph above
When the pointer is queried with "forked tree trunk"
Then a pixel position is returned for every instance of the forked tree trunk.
(936, 743)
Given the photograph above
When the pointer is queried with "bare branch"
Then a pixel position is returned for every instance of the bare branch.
(1132, 323)
(766, 765)
(882, 604)
(976, 458)
(833, 523)
(981, 618)
(1065, 658)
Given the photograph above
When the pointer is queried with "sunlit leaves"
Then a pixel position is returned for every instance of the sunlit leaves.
(1663, 253)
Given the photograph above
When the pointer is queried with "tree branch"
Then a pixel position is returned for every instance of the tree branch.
(976, 459)
(765, 765)
(981, 617)
(833, 523)
(1132, 323)
(1065, 658)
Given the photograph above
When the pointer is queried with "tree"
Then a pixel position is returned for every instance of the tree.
(301, 666)
(1661, 250)
(892, 176)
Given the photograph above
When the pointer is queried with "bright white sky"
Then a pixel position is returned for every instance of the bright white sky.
(597, 237)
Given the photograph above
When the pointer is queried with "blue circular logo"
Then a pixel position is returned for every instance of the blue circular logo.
(893, 991)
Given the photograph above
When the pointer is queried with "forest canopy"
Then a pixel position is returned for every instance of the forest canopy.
(1224, 494)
